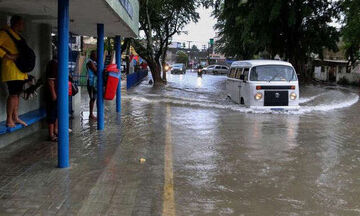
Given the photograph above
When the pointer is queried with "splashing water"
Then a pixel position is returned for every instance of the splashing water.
(212, 95)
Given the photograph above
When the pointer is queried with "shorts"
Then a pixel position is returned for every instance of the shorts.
(92, 91)
(51, 111)
(15, 87)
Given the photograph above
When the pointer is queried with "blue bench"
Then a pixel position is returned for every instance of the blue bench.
(29, 118)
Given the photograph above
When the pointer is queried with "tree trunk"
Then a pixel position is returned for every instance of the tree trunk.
(164, 74)
(155, 69)
(163, 63)
(163, 60)
(299, 65)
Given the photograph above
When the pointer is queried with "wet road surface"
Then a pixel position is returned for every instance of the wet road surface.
(204, 156)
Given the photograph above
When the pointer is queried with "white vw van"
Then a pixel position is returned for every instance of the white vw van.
(263, 84)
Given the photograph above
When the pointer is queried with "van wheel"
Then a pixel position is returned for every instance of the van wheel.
(242, 101)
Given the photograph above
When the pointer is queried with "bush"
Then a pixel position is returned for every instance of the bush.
(355, 83)
(343, 81)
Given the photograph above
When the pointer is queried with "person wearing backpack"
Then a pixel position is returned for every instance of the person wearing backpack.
(10, 73)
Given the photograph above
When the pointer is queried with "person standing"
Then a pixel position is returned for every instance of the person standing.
(91, 66)
(51, 98)
(14, 78)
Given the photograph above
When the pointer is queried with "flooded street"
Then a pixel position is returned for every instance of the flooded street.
(202, 155)
(230, 160)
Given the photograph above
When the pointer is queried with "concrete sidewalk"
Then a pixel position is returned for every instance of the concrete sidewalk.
(105, 178)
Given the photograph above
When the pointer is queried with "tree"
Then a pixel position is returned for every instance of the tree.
(351, 29)
(194, 48)
(182, 57)
(159, 21)
(292, 29)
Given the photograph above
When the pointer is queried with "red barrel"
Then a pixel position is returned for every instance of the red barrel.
(112, 81)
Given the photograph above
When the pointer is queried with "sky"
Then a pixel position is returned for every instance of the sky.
(200, 32)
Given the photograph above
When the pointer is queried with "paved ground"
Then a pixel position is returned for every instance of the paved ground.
(204, 156)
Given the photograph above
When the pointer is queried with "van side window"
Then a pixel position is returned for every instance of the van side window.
(238, 73)
(246, 73)
(232, 73)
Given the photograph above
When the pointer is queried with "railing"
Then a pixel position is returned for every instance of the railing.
(135, 78)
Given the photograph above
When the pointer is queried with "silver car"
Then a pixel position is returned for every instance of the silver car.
(216, 69)
(178, 68)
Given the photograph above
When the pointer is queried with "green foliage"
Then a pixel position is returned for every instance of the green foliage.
(194, 48)
(109, 44)
(351, 29)
(182, 57)
(159, 21)
(293, 29)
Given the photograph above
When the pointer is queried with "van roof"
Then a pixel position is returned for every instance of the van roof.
(252, 63)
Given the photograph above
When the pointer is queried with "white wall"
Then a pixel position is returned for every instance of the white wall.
(320, 75)
(351, 77)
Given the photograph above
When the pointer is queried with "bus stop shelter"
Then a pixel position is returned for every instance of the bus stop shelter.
(98, 18)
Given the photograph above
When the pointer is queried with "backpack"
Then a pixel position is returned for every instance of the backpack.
(25, 61)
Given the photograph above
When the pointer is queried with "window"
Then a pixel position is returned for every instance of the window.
(238, 73)
(246, 73)
(224, 68)
(232, 73)
(273, 73)
(128, 7)
(217, 67)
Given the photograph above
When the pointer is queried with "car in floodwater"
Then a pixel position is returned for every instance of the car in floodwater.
(178, 68)
(216, 70)
(263, 84)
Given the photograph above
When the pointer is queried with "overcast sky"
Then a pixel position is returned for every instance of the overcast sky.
(199, 32)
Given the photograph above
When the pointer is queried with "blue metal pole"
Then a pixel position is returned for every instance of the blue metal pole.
(100, 83)
(118, 62)
(62, 83)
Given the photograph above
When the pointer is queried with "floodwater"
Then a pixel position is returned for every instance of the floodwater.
(201, 154)
(230, 160)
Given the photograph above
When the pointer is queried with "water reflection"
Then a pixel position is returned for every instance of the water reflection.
(199, 82)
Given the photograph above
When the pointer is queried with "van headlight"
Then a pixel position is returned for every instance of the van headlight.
(293, 96)
(258, 96)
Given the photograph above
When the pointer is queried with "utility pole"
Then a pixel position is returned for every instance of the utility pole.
(189, 43)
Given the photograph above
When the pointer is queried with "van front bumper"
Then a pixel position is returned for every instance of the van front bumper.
(276, 108)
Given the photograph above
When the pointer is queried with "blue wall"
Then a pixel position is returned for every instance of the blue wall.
(135, 78)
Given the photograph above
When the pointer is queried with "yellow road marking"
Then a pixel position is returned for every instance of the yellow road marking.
(168, 196)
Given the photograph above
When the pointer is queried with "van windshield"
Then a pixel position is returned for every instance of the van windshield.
(273, 73)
